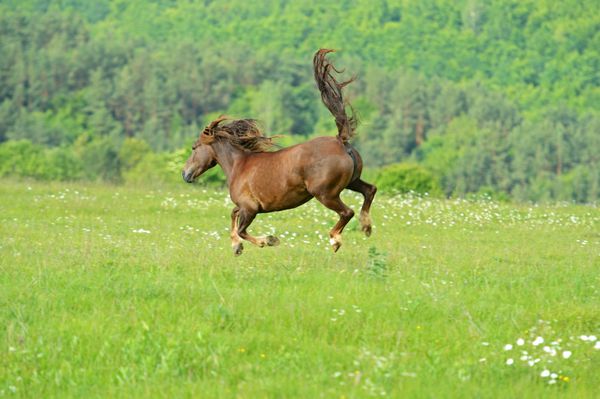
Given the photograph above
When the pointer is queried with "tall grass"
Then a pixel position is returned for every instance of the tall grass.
(110, 291)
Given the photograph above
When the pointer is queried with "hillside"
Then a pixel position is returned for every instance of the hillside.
(500, 98)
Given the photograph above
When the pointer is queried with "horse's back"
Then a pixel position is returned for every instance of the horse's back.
(324, 162)
(289, 177)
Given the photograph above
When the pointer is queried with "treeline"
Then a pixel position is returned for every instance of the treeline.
(495, 98)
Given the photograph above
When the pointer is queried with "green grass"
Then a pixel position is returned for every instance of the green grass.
(423, 308)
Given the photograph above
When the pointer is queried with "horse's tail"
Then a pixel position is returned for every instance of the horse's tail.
(331, 94)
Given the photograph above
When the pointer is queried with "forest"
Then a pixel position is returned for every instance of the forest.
(500, 98)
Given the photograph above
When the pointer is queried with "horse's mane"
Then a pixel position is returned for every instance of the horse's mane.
(241, 133)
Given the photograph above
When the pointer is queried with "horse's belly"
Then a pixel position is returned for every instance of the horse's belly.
(274, 197)
(286, 202)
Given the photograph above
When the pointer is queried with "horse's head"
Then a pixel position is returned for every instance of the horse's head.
(203, 156)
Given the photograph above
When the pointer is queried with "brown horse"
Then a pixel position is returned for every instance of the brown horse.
(262, 181)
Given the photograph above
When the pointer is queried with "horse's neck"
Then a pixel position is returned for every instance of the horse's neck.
(227, 156)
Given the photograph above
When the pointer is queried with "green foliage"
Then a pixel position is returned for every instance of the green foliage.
(165, 168)
(489, 193)
(21, 158)
(153, 169)
(407, 177)
(100, 158)
(63, 165)
(25, 159)
(499, 96)
(376, 264)
(581, 184)
(132, 151)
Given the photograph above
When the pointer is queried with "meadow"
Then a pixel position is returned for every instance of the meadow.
(117, 291)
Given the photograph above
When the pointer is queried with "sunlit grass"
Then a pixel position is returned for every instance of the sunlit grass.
(115, 291)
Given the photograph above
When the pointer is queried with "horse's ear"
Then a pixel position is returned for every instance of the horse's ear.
(207, 138)
(216, 122)
(207, 135)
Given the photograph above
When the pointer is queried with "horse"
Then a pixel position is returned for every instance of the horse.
(262, 180)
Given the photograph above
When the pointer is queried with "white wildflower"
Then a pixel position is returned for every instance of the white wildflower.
(545, 373)
(509, 361)
(566, 354)
(508, 347)
(537, 341)
(520, 342)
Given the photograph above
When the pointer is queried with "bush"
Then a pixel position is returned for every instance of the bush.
(489, 193)
(100, 158)
(406, 177)
(153, 169)
(212, 177)
(22, 158)
(132, 151)
(581, 184)
(166, 168)
(63, 165)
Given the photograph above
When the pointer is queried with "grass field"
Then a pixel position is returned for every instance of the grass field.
(134, 292)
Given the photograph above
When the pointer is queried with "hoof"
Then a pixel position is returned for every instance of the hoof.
(272, 241)
(335, 244)
(367, 230)
(365, 222)
(238, 249)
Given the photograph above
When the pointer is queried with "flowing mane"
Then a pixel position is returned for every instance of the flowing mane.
(242, 133)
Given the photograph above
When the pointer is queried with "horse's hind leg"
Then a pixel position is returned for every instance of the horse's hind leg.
(236, 241)
(244, 219)
(336, 204)
(368, 191)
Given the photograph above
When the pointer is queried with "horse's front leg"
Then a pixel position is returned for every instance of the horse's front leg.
(243, 221)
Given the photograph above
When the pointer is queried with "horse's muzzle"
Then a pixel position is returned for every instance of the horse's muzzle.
(187, 177)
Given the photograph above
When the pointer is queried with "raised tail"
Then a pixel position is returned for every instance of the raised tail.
(331, 95)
